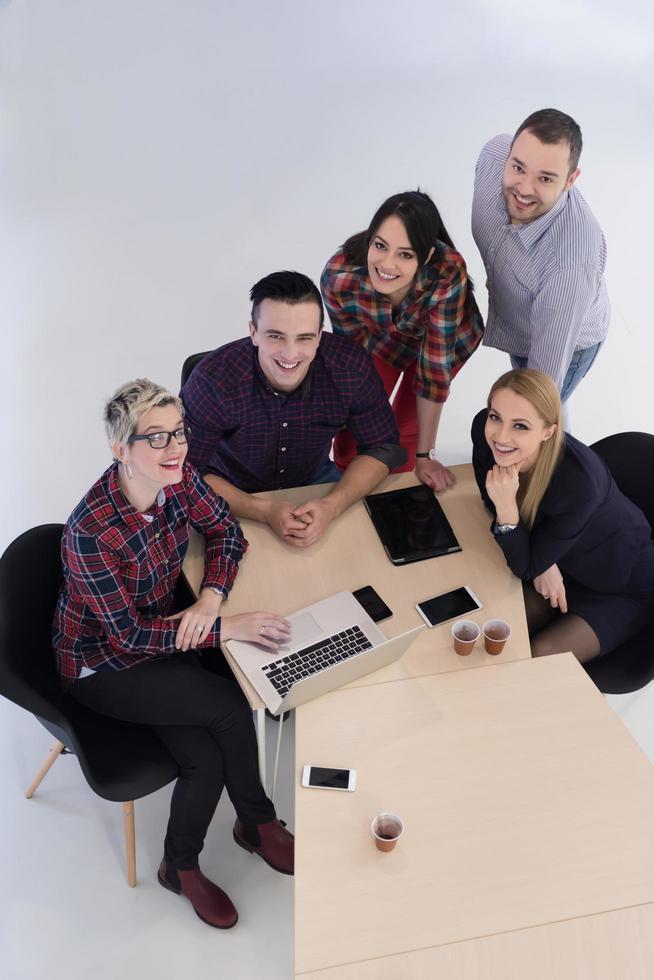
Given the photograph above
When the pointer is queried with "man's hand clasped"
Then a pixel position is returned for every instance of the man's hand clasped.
(301, 525)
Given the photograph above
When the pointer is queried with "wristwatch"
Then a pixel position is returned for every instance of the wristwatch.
(504, 528)
(430, 455)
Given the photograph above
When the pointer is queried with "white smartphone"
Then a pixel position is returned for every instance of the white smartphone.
(450, 605)
(318, 777)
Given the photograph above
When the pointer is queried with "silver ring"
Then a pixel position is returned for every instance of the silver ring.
(545, 597)
(262, 631)
(198, 627)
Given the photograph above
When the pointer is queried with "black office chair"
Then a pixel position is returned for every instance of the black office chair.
(121, 762)
(630, 458)
(190, 363)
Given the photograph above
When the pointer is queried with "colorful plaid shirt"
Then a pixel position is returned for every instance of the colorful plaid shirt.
(121, 566)
(261, 439)
(437, 322)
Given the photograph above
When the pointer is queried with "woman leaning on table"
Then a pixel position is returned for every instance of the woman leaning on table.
(122, 652)
(583, 550)
(401, 290)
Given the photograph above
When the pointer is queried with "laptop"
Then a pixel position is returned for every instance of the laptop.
(411, 524)
(332, 642)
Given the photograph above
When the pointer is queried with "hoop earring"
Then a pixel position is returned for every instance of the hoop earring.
(128, 471)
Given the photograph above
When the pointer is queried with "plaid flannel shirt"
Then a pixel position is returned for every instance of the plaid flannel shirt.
(260, 439)
(121, 566)
(437, 322)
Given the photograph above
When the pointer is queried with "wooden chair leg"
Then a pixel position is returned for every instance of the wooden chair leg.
(130, 842)
(53, 755)
(128, 812)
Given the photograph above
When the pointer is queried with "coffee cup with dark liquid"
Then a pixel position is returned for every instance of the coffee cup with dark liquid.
(465, 634)
(387, 828)
(496, 633)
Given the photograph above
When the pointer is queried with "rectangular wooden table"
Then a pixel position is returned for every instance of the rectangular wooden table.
(277, 577)
(526, 804)
(609, 946)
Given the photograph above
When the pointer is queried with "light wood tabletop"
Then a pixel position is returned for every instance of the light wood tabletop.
(610, 946)
(277, 577)
(525, 802)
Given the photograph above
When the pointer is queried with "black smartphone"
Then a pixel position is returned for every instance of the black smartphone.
(373, 603)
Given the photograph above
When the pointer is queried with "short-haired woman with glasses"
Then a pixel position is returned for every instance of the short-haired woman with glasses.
(123, 652)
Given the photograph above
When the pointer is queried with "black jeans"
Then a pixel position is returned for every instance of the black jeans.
(206, 723)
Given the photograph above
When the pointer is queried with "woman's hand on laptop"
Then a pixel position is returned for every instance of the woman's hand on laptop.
(264, 628)
(197, 620)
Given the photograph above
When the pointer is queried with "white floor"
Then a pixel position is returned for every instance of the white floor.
(157, 158)
(66, 912)
(637, 713)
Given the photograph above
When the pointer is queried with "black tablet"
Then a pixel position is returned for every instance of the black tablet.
(411, 524)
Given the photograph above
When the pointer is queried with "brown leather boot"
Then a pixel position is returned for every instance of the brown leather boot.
(271, 841)
(210, 902)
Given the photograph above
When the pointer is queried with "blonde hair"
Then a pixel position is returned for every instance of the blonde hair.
(132, 400)
(541, 392)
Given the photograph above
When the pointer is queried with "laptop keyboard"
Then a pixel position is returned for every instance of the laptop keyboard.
(283, 673)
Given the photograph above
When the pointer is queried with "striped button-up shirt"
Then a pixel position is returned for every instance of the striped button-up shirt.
(121, 566)
(547, 296)
(437, 323)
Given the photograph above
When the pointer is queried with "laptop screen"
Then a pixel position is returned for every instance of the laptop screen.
(411, 524)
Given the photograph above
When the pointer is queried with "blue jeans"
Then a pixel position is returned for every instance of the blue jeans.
(580, 365)
(328, 473)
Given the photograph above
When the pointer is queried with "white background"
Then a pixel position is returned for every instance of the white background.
(157, 158)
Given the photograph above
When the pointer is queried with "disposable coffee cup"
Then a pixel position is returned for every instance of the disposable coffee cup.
(496, 633)
(387, 828)
(465, 634)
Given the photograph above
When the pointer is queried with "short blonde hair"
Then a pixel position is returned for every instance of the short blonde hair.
(129, 402)
(541, 392)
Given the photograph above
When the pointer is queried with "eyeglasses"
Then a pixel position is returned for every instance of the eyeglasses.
(161, 440)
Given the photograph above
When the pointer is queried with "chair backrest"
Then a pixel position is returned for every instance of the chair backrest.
(190, 363)
(630, 458)
(120, 760)
(30, 576)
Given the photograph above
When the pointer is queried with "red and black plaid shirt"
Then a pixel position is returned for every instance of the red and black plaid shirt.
(121, 566)
(437, 322)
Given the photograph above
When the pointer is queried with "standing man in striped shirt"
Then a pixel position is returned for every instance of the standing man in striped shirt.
(543, 250)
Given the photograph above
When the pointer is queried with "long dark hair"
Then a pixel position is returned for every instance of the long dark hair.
(420, 217)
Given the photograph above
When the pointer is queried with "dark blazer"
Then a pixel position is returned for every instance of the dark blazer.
(592, 531)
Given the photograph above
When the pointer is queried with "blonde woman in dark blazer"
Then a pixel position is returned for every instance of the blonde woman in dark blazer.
(583, 550)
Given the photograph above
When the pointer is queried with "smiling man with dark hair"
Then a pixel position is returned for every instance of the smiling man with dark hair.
(263, 412)
(543, 250)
